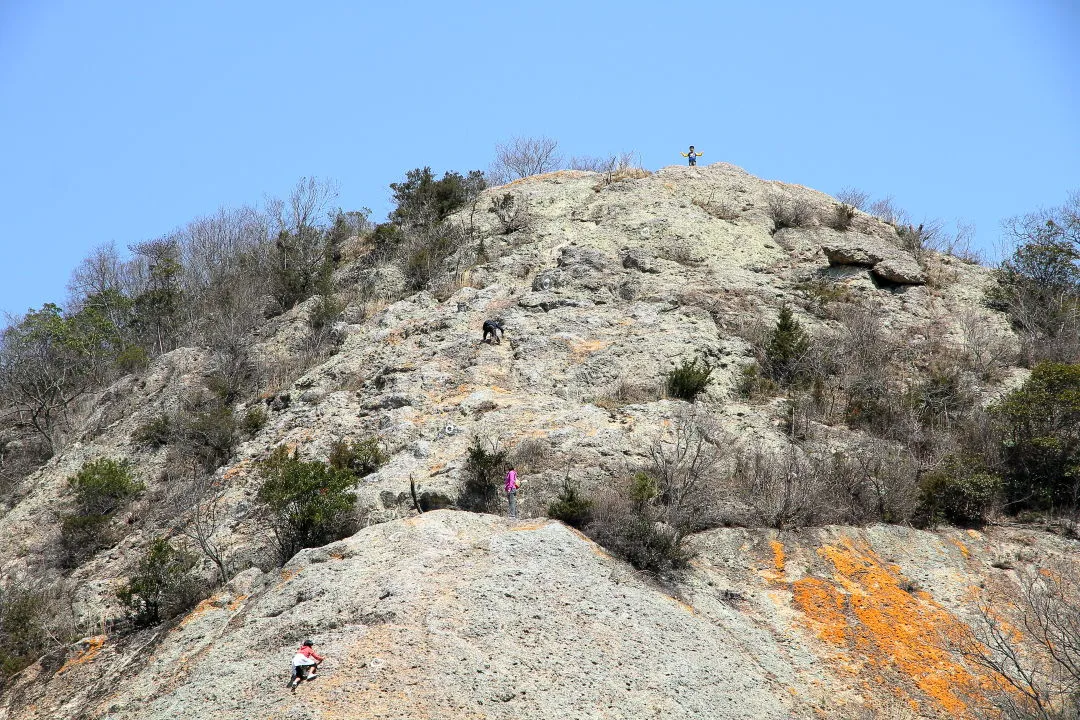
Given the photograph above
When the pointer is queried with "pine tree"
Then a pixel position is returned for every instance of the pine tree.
(786, 349)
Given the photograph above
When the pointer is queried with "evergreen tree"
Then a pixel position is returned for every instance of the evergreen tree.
(787, 348)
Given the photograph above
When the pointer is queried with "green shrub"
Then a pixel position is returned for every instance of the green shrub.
(23, 638)
(208, 431)
(361, 457)
(254, 420)
(100, 488)
(83, 535)
(1041, 423)
(958, 493)
(154, 433)
(423, 200)
(132, 359)
(307, 504)
(870, 405)
(571, 507)
(689, 379)
(324, 312)
(162, 587)
(787, 349)
(483, 477)
(755, 386)
(626, 522)
(103, 485)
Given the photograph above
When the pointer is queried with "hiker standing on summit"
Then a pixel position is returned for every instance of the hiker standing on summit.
(692, 156)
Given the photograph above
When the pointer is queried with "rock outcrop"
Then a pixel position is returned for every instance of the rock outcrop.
(884, 260)
(607, 288)
(457, 615)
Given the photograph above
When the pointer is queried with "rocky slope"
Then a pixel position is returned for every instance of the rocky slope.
(458, 615)
(454, 614)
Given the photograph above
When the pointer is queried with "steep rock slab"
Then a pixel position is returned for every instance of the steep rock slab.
(449, 615)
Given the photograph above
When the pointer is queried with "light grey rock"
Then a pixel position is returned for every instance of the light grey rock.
(900, 270)
(638, 259)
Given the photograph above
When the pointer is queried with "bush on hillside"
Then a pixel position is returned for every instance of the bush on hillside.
(484, 470)
(787, 349)
(627, 521)
(958, 492)
(788, 212)
(841, 217)
(689, 379)
(1041, 423)
(1038, 285)
(103, 485)
(23, 635)
(254, 420)
(511, 213)
(206, 429)
(422, 201)
(360, 457)
(100, 488)
(306, 504)
(154, 433)
(163, 586)
(571, 506)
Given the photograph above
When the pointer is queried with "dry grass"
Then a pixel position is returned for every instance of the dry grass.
(719, 209)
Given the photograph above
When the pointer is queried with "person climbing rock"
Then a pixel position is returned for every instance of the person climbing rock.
(305, 664)
(494, 330)
(511, 491)
(692, 156)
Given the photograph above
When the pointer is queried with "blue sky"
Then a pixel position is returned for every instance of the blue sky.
(120, 121)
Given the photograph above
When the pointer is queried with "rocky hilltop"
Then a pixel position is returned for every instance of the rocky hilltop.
(605, 286)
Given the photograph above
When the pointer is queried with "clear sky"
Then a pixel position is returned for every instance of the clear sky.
(120, 121)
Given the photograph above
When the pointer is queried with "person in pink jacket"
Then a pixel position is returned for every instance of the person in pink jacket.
(305, 664)
(511, 491)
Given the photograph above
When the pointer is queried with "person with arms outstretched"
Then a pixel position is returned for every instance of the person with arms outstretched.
(692, 156)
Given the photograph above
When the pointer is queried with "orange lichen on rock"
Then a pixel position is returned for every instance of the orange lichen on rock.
(92, 646)
(212, 602)
(823, 605)
(238, 469)
(582, 349)
(865, 608)
(963, 548)
(778, 555)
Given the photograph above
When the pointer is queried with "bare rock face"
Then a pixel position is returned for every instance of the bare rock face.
(608, 288)
(458, 615)
(884, 260)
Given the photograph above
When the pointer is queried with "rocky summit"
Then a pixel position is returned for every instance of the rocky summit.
(605, 285)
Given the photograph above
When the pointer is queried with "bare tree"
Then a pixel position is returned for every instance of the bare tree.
(522, 157)
(779, 485)
(1031, 645)
(686, 464)
(202, 511)
(887, 210)
(854, 197)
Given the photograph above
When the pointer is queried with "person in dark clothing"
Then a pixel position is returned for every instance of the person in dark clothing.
(494, 330)
(692, 156)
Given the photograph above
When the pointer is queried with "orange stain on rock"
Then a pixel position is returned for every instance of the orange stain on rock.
(963, 548)
(778, 555)
(865, 609)
(93, 647)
